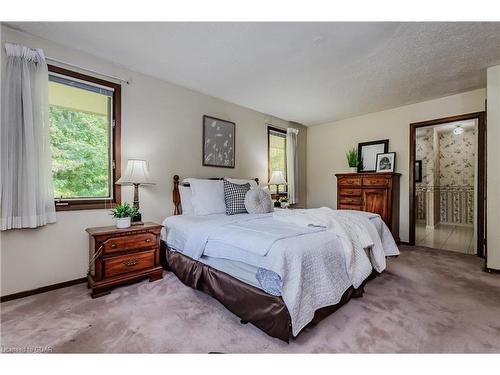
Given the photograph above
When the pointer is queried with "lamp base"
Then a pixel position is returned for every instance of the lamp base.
(137, 219)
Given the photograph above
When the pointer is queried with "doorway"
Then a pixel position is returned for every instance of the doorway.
(447, 183)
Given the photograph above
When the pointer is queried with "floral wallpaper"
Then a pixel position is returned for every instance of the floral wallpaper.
(456, 158)
(424, 151)
(447, 175)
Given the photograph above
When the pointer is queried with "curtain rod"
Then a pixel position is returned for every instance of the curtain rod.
(87, 70)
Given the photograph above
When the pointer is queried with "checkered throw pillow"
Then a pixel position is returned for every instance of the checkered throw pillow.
(234, 195)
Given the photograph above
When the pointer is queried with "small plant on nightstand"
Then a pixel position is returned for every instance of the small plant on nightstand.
(123, 214)
(352, 159)
(284, 202)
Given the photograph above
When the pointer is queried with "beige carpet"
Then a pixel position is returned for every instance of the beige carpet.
(427, 301)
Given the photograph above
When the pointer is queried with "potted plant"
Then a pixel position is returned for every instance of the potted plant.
(123, 214)
(284, 202)
(352, 159)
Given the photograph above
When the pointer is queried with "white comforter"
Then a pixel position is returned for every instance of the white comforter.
(316, 269)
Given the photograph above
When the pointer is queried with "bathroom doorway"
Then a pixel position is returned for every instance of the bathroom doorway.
(447, 187)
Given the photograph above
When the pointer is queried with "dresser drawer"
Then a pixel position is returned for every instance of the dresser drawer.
(349, 181)
(374, 181)
(350, 200)
(121, 264)
(123, 243)
(350, 192)
(349, 207)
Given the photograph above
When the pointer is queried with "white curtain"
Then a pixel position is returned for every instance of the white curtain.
(26, 165)
(292, 165)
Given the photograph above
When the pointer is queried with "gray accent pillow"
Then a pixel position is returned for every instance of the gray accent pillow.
(258, 201)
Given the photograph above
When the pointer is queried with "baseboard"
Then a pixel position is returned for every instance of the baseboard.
(491, 270)
(403, 243)
(43, 289)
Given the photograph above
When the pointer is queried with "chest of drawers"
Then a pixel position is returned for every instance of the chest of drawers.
(371, 192)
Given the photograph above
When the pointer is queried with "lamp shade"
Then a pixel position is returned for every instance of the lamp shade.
(137, 172)
(277, 178)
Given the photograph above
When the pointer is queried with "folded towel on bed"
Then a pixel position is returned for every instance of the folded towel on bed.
(258, 236)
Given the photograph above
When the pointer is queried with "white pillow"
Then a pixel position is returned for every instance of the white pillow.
(186, 200)
(258, 201)
(208, 196)
(239, 181)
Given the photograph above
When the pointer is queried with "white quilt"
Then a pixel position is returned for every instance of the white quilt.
(361, 242)
(309, 281)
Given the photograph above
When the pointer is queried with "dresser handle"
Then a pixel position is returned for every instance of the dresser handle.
(131, 262)
(148, 240)
(113, 246)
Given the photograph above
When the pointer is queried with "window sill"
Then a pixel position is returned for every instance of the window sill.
(84, 205)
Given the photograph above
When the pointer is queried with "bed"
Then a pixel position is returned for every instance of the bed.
(283, 279)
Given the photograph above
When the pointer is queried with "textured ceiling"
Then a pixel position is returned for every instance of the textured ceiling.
(305, 72)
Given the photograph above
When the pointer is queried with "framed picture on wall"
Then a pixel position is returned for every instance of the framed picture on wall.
(386, 162)
(218, 142)
(367, 154)
(418, 170)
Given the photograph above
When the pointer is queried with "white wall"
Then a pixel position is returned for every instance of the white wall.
(493, 168)
(327, 144)
(161, 122)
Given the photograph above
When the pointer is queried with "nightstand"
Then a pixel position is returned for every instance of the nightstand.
(122, 256)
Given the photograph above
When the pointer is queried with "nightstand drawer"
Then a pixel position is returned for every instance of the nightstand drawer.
(128, 263)
(123, 243)
(350, 200)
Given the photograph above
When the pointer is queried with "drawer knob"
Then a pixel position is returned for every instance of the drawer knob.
(113, 246)
(148, 240)
(131, 262)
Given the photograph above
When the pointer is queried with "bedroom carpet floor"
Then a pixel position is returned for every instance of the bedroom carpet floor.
(427, 301)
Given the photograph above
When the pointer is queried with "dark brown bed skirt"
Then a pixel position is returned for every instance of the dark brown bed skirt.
(250, 304)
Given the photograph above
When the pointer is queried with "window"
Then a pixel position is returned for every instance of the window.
(84, 137)
(276, 155)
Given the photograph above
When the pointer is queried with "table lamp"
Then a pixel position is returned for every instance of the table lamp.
(136, 173)
(277, 179)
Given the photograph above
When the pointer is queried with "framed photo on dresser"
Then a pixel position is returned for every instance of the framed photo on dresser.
(386, 162)
(367, 154)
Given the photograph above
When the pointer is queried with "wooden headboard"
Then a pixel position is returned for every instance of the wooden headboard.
(177, 196)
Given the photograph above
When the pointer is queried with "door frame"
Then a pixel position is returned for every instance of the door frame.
(481, 174)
